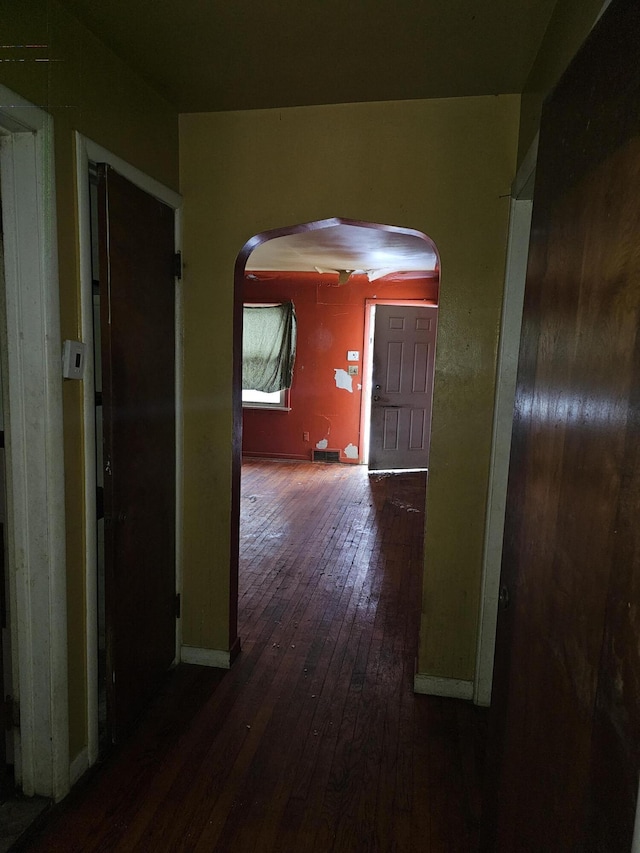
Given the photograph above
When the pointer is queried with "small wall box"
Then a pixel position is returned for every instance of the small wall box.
(73, 358)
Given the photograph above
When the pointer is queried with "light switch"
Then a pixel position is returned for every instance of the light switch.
(353, 355)
(73, 355)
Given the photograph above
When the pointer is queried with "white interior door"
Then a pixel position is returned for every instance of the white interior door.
(402, 386)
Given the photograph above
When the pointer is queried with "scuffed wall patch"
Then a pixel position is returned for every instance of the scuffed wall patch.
(322, 444)
(343, 380)
(351, 451)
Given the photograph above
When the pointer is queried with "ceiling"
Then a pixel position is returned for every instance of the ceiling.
(339, 245)
(207, 55)
(210, 55)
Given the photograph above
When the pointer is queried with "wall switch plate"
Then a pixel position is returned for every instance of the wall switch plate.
(73, 358)
(353, 355)
(353, 370)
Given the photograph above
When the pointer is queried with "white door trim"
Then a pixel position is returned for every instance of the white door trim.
(89, 151)
(35, 453)
(516, 270)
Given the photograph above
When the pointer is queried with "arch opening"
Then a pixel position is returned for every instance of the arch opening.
(338, 273)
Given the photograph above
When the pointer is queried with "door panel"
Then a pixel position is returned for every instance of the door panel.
(402, 379)
(565, 728)
(137, 296)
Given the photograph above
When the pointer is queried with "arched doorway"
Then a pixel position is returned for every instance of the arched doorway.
(351, 268)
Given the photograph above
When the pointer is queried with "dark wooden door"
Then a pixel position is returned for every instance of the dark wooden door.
(137, 298)
(402, 386)
(565, 743)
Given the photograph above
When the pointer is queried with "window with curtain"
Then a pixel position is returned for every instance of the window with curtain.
(268, 354)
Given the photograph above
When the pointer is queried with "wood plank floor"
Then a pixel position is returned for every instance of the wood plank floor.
(314, 740)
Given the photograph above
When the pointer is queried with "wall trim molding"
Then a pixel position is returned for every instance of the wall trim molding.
(432, 685)
(35, 474)
(206, 657)
(506, 373)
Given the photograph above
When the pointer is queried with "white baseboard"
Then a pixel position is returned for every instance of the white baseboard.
(79, 766)
(205, 657)
(431, 685)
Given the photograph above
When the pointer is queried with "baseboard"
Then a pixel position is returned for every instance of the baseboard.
(453, 688)
(281, 457)
(206, 657)
(79, 766)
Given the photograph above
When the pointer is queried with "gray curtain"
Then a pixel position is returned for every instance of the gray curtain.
(268, 347)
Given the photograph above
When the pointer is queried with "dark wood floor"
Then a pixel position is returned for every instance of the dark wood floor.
(314, 740)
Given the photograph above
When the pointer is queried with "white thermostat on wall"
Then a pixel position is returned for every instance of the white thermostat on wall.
(353, 355)
(73, 356)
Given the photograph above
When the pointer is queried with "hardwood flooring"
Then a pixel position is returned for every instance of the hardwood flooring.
(314, 740)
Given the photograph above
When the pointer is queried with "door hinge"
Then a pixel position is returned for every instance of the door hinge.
(178, 605)
(177, 265)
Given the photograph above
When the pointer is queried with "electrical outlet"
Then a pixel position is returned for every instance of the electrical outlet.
(353, 370)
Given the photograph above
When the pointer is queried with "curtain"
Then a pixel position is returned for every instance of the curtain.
(268, 347)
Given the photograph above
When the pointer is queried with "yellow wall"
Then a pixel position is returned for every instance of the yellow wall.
(85, 88)
(568, 28)
(442, 166)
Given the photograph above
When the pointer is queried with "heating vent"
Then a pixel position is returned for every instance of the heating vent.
(326, 455)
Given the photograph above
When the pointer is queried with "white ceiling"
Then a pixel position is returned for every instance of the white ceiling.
(340, 245)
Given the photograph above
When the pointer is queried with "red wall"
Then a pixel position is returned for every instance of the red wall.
(331, 320)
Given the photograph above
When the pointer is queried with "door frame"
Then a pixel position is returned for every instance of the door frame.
(36, 541)
(88, 151)
(367, 363)
(506, 374)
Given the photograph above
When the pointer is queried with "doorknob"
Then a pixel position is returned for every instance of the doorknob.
(503, 597)
(378, 387)
(376, 398)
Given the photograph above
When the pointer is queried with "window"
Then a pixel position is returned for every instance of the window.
(265, 399)
(268, 355)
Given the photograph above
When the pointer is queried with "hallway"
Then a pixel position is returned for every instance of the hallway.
(314, 740)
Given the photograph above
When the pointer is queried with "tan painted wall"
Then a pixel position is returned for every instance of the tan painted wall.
(441, 166)
(569, 26)
(85, 88)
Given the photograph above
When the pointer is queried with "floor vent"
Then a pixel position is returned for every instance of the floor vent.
(326, 455)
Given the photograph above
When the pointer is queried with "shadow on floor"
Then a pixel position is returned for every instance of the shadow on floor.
(17, 815)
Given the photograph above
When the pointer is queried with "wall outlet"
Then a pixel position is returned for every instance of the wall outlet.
(353, 370)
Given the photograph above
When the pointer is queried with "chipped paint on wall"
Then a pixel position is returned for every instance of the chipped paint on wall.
(343, 380)
(351, 451)
(322, 444)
